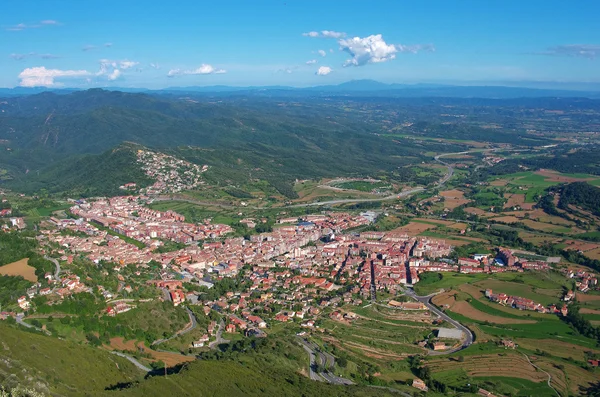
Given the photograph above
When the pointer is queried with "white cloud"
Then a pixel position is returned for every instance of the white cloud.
(328, 34)
(114, 75)
(373, 49)
(311, 62)
(324, 71)
(203, 69)
(154, 65)
(49, 22)
(322, 53)
(108, 44)
(127, 64)
(114, 69)
(311, 34)
(40, 76)
(589, 51)
(332, 34)
(88, 47)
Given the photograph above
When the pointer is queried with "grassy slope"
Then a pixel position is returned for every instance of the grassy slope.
(59, 367)
(230, 379)
(56, 366)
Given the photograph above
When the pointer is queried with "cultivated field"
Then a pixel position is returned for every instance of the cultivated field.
(19, 268)
(464, 308)
(170, 359)
(453, 198)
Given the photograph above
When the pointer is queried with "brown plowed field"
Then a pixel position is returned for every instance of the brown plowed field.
(20, 268)
(170, 359)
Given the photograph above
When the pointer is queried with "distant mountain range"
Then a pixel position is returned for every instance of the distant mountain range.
(369, 88)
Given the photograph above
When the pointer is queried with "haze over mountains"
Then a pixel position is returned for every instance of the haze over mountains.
(498, 89)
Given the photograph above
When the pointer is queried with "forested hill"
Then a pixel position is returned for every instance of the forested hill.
(67, 141)
(581, 194)
(46, 135)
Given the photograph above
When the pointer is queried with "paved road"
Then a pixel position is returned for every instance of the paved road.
(184, 331)
(328, 362)
(133, 360)
(20, 321)
(426, 300)
(56, 264)
(219, 340)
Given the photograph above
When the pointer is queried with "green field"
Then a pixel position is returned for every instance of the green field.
(362, 186)
(432, 282)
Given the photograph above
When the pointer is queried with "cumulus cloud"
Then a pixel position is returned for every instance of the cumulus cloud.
(373, 49)
(370, 49)
(331, 34)
(23, 26)
(589, 51)
(114, 69)
(115, 74)
(311, 62)
(324, 71)
(20, 57)
(154, 65)
(40, 76)
(203, 69)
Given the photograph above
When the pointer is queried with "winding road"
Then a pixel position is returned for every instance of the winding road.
(219, 339)
(133, 361)
(193, 324)
(56, 264)
(426, 300)
(328, 362)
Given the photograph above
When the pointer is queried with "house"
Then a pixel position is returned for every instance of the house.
(282, 317)
(439, 346)
(177, 297)
(201, 341)
(45, 291)
(508, 343)
(569, 296)
(23, 303)
(594, 363)
(230, 328)
(419, 384)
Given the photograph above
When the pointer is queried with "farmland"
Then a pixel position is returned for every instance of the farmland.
(19, 268)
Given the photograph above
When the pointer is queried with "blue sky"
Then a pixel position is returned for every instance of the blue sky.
(158, 44)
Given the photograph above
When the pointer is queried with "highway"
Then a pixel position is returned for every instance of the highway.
(426, 300)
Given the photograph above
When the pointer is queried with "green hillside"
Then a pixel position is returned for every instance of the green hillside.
(58, 367)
